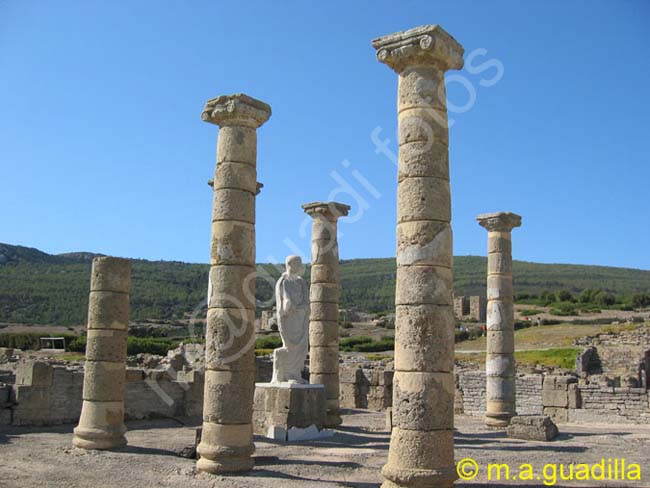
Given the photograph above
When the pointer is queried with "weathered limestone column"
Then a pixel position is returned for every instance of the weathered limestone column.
(227, 437)
(324, 301)
(500, 359)
(422, 445)
(101, 425)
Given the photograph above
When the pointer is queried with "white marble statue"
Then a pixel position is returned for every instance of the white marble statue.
(292, 303)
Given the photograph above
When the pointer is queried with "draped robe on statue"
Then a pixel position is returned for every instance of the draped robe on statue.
(292, 303)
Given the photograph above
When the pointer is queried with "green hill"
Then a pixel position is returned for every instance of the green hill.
(39, 288)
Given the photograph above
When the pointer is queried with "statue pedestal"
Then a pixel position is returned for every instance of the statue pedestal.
(290, 411)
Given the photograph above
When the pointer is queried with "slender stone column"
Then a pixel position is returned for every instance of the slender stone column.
(227, 437)
(421, 449)
(324, 301)
(101, 425)
(500, 359)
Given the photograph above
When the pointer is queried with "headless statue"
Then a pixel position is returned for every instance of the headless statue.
(292, 304)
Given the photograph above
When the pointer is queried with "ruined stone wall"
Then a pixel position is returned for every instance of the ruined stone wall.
(364, 386)
(470, 393)
(565, 398)
(51, 394)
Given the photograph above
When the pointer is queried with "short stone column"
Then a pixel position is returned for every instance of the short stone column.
(421, 449)
(101, 425)
(324, 301)
(227, 436)
(500, 359)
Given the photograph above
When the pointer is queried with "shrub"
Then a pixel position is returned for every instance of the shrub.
(528, 312)
(138, 345)
(348, 344)
(268, 342)
(384, 344)
(30, 340)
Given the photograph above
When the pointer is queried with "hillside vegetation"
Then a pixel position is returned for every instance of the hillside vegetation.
(39, 288)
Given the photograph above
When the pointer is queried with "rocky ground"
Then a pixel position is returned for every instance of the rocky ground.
(353, 457)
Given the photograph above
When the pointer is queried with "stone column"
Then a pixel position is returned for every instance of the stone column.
(101, 425)
(227, 437)
(324, 301)
(500, 359)
(421, 449)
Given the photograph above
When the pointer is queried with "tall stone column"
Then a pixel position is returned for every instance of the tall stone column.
(324, 301)
(227, 436)
(500, 359)
(421, 449)
(101, 425)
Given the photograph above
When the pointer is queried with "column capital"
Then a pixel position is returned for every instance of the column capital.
(499, 221)
(236, 110)
(424, 45)
(330, 210)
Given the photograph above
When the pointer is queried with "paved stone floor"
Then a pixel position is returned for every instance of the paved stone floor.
(44, 457)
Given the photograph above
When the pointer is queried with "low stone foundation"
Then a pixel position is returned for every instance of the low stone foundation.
(51, 394)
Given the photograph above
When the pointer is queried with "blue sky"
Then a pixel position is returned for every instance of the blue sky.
(102, 147)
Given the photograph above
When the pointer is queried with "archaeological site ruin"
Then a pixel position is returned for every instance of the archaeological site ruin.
(305, 390)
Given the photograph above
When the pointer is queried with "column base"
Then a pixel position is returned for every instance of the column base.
(498, 420)
(225, 448)
(225, 465)
(97, 439)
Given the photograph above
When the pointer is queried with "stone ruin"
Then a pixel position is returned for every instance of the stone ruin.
(472, 308)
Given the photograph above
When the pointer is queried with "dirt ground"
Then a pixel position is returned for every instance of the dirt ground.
(352, 458)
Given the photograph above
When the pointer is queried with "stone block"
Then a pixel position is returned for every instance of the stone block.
(235, 175)
(424, 338)
(323, 333)
(423, 401)
(287, 405)
(322, 311)
(110, 274)
(573, 395)
(424, 243)
(104, 381)
(34, 373)
(559, 415)
(234, 391)
(555, 398)
(233, 204)
(108, 310)
(321, 273)
(423, 198)
(424, 125)
(418, 285)
(233, 243)
(230, 339)
(237, 144)
(232, 287)
(106, 345)
(532, 428)
(324, 292)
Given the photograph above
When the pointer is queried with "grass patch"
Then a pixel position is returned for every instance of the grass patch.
(376, 357)
(263, 352)
(562, 357)
(558, 357)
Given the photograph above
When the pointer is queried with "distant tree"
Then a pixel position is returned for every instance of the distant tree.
(605, 298)
(564, 296)
(641, 300)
